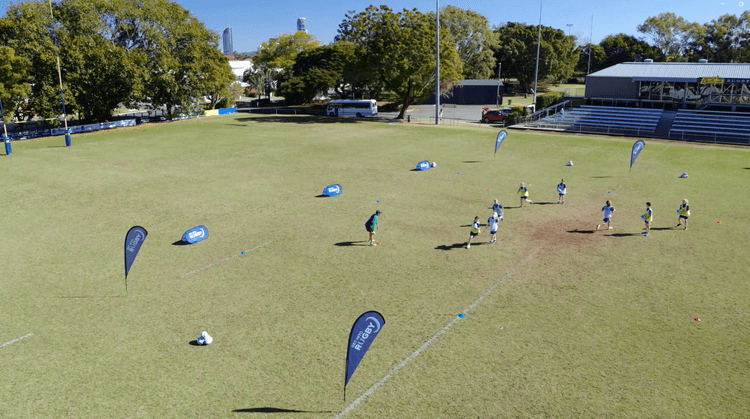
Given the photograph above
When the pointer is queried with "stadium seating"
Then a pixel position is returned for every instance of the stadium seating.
(604, 119)
(711, 125)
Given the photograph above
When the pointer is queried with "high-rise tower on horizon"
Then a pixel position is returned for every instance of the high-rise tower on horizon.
(227, 38)
(301, 24)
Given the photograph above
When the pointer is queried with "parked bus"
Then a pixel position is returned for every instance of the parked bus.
(359, 108)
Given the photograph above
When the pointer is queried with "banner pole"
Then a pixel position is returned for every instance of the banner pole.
(59, 75)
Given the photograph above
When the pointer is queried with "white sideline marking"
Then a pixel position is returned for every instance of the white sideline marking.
(430, 341)
(16, 340)
(225, 259)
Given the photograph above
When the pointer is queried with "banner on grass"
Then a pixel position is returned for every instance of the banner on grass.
(364, 331)
(332, 190)
(195, 234)
(637, 147)
(423, 165)
(500, 137)
(133, 241)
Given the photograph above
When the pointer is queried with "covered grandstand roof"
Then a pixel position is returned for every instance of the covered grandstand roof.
(677, 72)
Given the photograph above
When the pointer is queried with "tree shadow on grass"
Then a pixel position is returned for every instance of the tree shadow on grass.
(277, 410)
(351, 243)
(455, 246)
(311, 119)
(581, 231)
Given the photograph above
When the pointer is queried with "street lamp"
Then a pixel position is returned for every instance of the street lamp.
(569, 25)
(538, 45)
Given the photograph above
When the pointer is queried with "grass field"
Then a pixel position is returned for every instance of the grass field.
(580, 323)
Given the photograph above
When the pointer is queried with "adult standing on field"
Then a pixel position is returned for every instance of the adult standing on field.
(371, 224)
(523, 193)
(684, 213)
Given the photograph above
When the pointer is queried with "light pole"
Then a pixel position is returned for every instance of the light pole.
(569, 25)
(437, 62)
(538, 45)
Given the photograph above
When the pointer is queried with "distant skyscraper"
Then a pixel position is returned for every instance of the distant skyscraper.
(301, 25)
(227, 38)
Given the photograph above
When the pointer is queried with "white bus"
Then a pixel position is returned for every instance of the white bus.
(359, 108)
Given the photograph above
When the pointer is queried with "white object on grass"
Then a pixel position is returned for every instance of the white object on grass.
(684, 175)
(204, 339)
(434, 164)
(570, 163)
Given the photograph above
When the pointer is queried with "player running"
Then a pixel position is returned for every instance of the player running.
(684, 212)
(492, 225)
(608, 210)
(523, 193)
(475, 230)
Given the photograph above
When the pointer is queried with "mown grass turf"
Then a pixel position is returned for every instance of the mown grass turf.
(593, 324)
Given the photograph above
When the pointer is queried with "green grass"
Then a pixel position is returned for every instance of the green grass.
(591, 325)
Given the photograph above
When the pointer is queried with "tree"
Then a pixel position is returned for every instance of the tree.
(517, 53)
(260, 79)
(670, 34)
(281, 52)
(13, 86)
(597, 58)
(338, 66)
(217, 80)
(474, 39)
(724, 40)
(625, 48)
(399, 48)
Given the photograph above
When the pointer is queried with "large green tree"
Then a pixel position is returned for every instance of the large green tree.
(280, 52)
(400, 50)
(474, 40)
(517, 53)
(724, 40)
(591, 58)
(622, 48)
(14, 88)
(671, 34)
(337, 66)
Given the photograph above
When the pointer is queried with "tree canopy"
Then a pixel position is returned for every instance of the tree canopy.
(399, 49)
(517, 53)
(474, 39)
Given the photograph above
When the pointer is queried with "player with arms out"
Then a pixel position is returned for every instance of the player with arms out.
(684, 213)
(608, 210)
(475, 230)
(371, 224)
(561, 189)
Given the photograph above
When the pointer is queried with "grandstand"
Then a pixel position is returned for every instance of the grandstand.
(690, 101)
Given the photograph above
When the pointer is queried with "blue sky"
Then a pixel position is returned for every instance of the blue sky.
(255, 21)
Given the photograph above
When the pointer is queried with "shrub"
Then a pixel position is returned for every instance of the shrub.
(516, 115)
(547, 99)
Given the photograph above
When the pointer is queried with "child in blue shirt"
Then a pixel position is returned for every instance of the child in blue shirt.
(607, 209)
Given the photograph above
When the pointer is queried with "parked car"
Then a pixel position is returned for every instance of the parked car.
(497, 115)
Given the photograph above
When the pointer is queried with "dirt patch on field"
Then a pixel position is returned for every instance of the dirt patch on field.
(558, 235)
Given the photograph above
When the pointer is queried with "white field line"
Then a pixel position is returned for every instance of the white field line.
(225, 259)
(431, 340)
(16, 340)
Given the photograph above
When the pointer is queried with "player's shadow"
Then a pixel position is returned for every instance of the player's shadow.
(471, 161)
(454, 246)
(624, 234)
(581, 231)
(277, 410)
(351, 243)
(665, 228)
(480, 225)
(542, 203)
(601, 177)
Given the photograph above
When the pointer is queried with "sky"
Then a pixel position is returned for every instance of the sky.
(256, 21)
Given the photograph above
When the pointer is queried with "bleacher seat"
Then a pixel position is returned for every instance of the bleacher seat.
(714, 125)
(604, 119)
